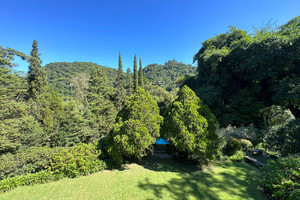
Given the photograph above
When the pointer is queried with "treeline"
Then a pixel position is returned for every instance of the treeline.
(241, 73)
(64, 76)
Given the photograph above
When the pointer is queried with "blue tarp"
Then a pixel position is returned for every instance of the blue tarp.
(161, 141)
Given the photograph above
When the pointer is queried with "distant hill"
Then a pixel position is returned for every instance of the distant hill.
(166, 75)
(60, 74)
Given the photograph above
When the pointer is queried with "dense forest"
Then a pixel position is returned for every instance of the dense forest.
(64, 76)
(71, 119)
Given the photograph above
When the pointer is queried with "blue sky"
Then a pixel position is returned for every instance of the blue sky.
(155, 30)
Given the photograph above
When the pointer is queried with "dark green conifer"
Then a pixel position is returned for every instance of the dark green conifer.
(120, 93)
(141, 79)
(135, 74)
(37, 78)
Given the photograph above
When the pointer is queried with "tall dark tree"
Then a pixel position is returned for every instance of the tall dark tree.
(101, 111)
(37, 78)
(129, 82)
(120, 93)
(141, 79)
(135, 74)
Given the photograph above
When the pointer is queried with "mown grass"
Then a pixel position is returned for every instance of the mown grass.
(153, 179)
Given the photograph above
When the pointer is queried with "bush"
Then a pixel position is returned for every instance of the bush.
(238, 156)
(282, 178)
(26, 160)
(28, 179)
(81, 159)
(246, 145)
(286, 140)
(232, 146)
(243, 132)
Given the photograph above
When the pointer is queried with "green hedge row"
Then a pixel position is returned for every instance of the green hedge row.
(26, 160)
(28, 179)
(82, 159)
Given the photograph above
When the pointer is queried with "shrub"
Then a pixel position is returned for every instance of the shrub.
(246, 144)
(286, 140)
(28, 179)
(282, 178)
(232, 146)
(26, 160)
(243, 132)
(238, 156)
(81, 159)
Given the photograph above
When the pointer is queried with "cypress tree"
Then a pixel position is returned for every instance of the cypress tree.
(37, 78)
(135, 74)
(129, 82)
(141, 79)
(120, 73)
(120, 94)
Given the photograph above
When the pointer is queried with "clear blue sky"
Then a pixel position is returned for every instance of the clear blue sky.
(155, 30)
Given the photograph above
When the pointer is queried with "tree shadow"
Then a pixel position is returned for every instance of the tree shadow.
(193, 183)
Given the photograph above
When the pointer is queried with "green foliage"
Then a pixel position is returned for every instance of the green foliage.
(141, 75)
(64, 75)
(238, 156)
(232, 146)
(120, 90)
(282, 178)
(43, 164)
(135, 75)
(190, 127)
(101, 111)
(81, 159)
(246, 145)
(137, 127)
(243, 132)
(285, 140)
(25, 160)
(166, 75)
(28, 179)
(37, 77)
(239, 74)
(276, 116)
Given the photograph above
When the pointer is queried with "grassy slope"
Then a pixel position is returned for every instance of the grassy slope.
(152, 180)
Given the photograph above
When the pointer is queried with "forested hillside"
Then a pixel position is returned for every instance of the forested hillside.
(64, 75)
(166, 75)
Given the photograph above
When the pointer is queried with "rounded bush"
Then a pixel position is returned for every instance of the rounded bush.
(246, 144)
(232, 146)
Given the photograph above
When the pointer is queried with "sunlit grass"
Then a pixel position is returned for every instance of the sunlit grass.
(152, 179)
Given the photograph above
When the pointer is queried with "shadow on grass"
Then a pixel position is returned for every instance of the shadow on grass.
(192, 183)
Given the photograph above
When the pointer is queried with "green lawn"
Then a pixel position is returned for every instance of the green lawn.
(152, 179)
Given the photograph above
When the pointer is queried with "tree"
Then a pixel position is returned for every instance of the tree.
(136, 128)
(101, 111)
(190, 127)
(129, 82)
(16, 124)
(37, 78)
(135, 74)
(120, 93)
(141, 78)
